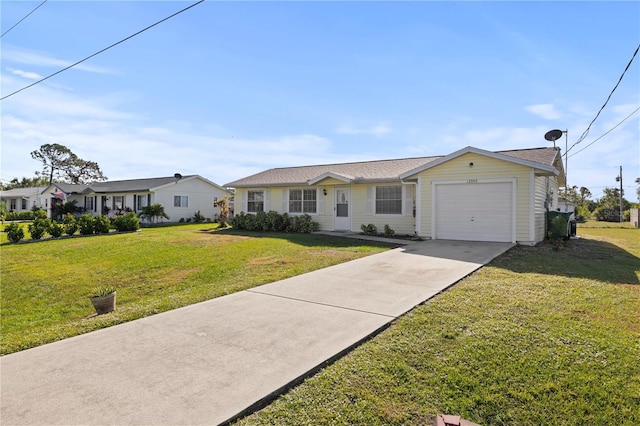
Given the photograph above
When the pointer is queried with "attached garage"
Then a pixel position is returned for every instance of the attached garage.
(474, 210)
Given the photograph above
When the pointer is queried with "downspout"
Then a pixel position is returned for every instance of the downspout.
(415, 205)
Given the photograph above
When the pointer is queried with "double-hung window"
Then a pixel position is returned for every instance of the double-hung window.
(255, 201)
(180, 201)
(142, 201)
(389, 199)
(88, 203)
(118, 202)
(303, 201)
(24, 204)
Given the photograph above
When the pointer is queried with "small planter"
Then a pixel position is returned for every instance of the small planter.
(104, 304)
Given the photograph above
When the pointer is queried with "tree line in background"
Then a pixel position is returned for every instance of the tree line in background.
(605, 208)
(59, 164)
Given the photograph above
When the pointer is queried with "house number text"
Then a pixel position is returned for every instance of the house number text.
(472, 180)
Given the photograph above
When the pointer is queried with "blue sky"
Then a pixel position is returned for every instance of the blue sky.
(227, 89)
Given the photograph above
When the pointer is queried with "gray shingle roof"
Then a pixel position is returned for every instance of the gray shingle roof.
(133, 185)
(382, 170)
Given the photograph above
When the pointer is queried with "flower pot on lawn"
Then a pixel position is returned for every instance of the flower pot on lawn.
(104, 304)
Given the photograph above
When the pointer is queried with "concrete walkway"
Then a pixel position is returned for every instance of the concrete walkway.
(217, 360)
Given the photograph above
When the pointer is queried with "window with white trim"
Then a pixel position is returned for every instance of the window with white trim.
(12, 204)
(24, 204)
(142, 201)
(389, 199)
(118, 202)
(303, 201)
(180, 201)
(255, 201)
(88, 203)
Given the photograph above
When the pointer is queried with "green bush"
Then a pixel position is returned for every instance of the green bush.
(23, 215)
(369, 229)
(38, 228)
(14, 232)
(126, 222)
(388, 232)
(55, 229)
(198, 217)
(39, 213)
(274, 222)
(86, 224)
(101, 224)
(70, 224)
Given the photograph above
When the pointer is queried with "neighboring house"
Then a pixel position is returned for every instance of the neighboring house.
(471, 194)
(566, 206)
(22, 199)
(181, 196)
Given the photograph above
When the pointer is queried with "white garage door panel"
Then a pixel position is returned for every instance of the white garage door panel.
(474, 212)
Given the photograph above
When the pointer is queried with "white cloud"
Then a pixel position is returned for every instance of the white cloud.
(546, 111)
(26, 57)
(25, 74)
(379, 129)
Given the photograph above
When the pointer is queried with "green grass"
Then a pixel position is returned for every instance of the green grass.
(45, 286)
(538, 337)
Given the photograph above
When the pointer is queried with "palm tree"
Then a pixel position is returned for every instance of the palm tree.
(152, 212)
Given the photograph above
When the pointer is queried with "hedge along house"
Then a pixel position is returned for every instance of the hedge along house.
(471, 194)
(181, 196)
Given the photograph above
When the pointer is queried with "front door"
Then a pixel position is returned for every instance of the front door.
(342, 209)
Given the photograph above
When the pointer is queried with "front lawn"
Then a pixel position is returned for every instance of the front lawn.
(45, 286)
(538, 337)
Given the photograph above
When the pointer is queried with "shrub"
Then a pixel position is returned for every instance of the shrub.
(198, 217)
(369, 229)
(39, 213)
(303, 224)
(101, 224)
(23, 215)
(388, 232)
(86, 224)
(38, 228)
(154, 212)
(70, 224)
(55, 229)
(274, 222)
(126, 222)
(14, 232)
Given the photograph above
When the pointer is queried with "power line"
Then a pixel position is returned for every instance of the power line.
(25, 17)
(586, 132)
(606, 133)
(100, 51)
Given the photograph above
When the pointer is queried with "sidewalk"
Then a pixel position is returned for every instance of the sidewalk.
(214, 361)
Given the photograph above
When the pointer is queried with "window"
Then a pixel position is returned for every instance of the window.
(255, 201)
(389, 199)
(302, 200)
(180, 201)
(24, 204)
(12, 204)
(88, 203)
(142, 201)
(118, 202)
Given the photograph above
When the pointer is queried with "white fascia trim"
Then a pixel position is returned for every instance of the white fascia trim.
(328, 175)
(478, 151)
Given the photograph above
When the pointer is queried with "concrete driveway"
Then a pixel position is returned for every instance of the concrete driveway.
(214, 361)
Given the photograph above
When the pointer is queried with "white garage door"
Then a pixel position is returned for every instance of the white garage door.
(474, 211)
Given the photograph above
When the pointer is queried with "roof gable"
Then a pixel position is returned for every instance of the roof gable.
(542, 159)
(517, 157)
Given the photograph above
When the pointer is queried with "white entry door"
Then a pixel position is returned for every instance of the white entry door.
(342, 219)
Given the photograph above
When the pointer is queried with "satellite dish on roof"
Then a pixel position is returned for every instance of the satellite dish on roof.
(553, 136)
(178, 176)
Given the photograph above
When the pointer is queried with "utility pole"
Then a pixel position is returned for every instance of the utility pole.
(619, 179)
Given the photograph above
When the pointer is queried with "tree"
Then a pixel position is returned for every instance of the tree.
(82, 171)
(59, 159)
(584, 195)
(25, 182)
(54, 157)
(223, 218)
(153, 212)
